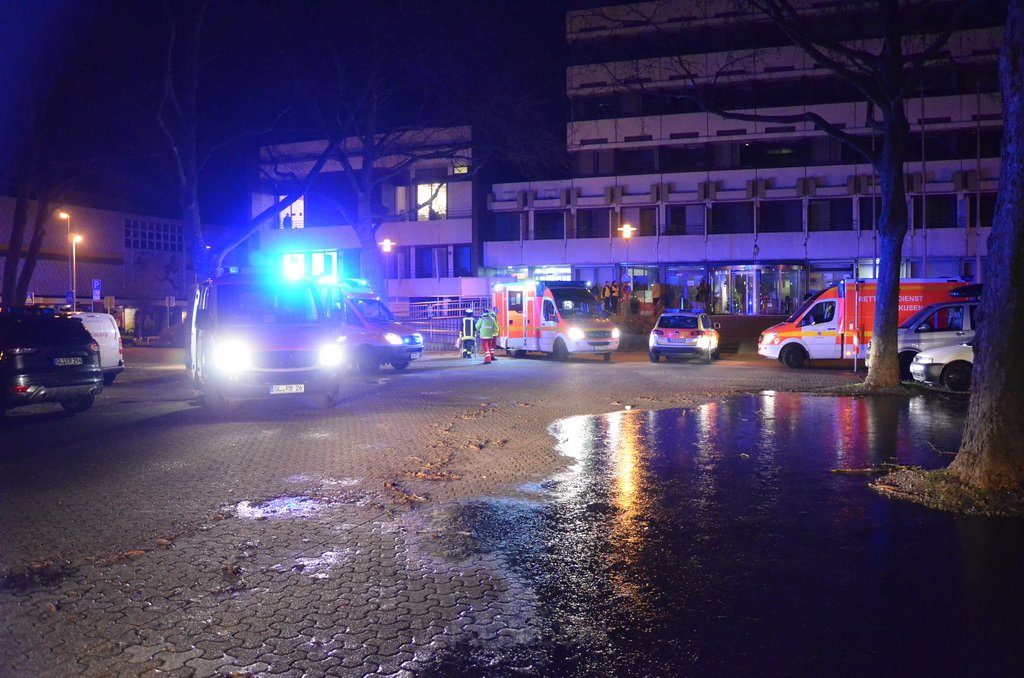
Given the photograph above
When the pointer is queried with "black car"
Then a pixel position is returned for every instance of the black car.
(44, 358)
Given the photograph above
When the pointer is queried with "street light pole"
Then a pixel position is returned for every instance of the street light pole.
(387, 244)
(627, 233)
(75, 239)
(67, 217)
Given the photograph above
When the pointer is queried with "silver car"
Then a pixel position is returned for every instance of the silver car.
(948, 366)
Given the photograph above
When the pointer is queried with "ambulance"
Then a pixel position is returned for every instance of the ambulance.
(837, 322)
(557, 318)
(373, 336)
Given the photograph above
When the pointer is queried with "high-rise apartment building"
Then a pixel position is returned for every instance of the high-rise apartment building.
(763, 211)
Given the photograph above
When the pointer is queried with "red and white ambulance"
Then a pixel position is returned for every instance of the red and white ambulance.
(837, 322)
(557, 318)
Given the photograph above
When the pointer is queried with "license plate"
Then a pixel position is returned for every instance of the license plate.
(678, 340)
(287, 388)
(67, 361)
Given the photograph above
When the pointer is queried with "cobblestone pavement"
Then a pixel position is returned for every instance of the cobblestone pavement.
(146, 537)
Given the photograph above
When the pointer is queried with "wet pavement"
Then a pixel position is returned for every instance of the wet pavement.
(740, 538)
(453, 520)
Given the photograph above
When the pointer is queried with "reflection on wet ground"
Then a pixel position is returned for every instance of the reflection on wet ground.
(718, 541)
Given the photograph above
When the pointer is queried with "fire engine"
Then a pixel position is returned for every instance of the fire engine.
(557, 318)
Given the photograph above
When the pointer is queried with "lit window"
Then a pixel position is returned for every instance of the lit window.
(294, 265)
(432, 201)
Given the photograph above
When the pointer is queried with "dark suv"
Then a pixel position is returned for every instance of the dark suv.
(44, 358)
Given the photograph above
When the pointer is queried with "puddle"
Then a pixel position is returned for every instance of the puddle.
(282, 507)
(719, 541)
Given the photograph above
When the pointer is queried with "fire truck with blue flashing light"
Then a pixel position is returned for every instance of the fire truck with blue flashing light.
(837, 322)
(255, 337)
(557, 318)
(373, 336)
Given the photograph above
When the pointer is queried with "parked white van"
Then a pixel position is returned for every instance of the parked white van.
(104, 330)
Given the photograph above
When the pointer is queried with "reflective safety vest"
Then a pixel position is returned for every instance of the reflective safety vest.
(487, 327)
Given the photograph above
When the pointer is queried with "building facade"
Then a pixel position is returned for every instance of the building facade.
(763, 212)
(420, 195)
(132, 265)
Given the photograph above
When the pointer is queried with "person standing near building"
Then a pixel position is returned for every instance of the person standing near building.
(615, 297)
(466, 338)
(606, 295)
(487, 330)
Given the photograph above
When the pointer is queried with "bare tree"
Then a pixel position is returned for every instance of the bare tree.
(885, 71)
(187, 150)
(992, 451)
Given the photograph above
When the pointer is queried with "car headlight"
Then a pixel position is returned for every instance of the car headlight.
(576, 333)
(615, 333)
(923, 359)
(232, 355)
(393, 339)
(331, 355)
(769, 338)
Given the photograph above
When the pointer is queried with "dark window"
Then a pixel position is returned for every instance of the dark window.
(988, 209)
(830, 215)
(463, 261)
(593, 223)
(637, 161)
(869, 214)
(781, 216)
(424, 262)
(515, 301)
(684, 158)
(941, 211)
(548, 225)
(648, 218)
(732, 217)
(351, 263)
(505, 226)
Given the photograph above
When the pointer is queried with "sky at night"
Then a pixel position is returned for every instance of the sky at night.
(86, 76)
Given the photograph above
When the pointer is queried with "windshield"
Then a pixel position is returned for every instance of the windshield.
(577, 303)
(678, 322)
(280, 304)
(804, 306)
(374, 311)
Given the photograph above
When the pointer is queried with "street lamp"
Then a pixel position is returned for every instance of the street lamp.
(67, 217)
(75, 239)
(627, 233)
(388, 245)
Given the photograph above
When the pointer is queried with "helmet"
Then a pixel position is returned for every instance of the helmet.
(468, 311)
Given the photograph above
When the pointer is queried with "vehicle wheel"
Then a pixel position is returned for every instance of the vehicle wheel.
(399, 364)
(957, 376)
(519, 353)
(607, 357)
(653, 356)
(215, 402)
(716, 355)
(793, 357)
(906, 358)
(560, 352)
(366, 361)
(108, 379)
(78, 404)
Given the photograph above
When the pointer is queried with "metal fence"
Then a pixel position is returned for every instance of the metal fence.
(439, 321)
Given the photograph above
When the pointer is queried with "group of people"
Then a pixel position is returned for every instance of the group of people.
(485, 328)
(612, 294)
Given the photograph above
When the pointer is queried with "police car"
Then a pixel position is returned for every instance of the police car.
(683, 333)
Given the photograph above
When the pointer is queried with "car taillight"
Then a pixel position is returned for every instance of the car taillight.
(94, 347)
(696, 333)
(659, 333)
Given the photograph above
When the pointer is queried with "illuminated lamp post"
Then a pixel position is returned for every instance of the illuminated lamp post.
(64, 216)
(388, 245)
(627, 233)
(75, 239)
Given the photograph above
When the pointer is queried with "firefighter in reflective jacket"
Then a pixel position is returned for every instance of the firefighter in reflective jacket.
(487, 329)
(466, 337)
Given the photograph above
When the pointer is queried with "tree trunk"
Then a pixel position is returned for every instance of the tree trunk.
(32, 255)
(892, 228)
(992, 451)
(13, 258)
(372, 260)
